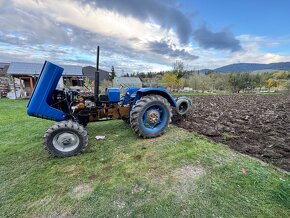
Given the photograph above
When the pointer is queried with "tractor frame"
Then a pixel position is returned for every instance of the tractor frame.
(148, 110)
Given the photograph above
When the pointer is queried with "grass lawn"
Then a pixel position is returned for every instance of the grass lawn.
(178, 174)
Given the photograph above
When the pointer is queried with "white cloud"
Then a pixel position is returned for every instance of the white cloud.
(253, 52)
(254, 47)
(68, 31)
(101, 21)
(124, 40)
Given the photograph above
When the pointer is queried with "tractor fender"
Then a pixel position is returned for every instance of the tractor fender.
(130, 94)
(154, 91)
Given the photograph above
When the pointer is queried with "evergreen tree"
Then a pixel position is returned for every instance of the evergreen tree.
(112, 75)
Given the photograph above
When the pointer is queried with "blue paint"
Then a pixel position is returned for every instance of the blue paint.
(113, 95)
(155, 91)
(130, 94)
(38, 106)
(152, 128)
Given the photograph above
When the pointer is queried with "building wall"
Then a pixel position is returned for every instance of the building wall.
(4, 86)
(22, 85)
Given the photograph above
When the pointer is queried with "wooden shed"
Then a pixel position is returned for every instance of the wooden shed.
(25, 76)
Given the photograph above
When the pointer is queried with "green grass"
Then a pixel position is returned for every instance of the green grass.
(125, 176)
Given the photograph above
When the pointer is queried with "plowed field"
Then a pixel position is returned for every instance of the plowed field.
(257, 125)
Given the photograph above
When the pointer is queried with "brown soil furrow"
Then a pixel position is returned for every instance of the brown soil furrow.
(258, 125)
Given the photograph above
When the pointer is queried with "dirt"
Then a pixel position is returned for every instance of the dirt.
(82, 190)
(186, 177)
(257, 125)
(189, 173)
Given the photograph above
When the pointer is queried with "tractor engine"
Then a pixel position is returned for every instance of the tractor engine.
(84, 109)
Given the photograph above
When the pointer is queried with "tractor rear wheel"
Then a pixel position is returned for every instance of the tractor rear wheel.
(150, 116)
(66, 138)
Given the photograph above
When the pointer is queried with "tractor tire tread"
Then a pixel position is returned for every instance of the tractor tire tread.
(66, 124)
(137, 108)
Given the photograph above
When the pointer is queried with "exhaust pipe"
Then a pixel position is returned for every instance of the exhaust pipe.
(97, 77)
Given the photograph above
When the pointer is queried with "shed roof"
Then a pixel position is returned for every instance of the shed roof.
(3, 68)
(20, 68)
(2, 64)
(90, 71)
(127, 80)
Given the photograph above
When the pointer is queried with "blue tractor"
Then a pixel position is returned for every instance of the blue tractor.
(148, 110)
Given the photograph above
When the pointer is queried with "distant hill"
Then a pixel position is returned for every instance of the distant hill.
(250, 67)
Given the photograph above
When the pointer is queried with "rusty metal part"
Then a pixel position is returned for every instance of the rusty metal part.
(81, 104)
(153, 116)
(114, 112)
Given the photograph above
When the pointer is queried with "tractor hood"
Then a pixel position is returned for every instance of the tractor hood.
(39, 103)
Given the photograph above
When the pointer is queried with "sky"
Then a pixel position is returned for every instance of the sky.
(145, 35)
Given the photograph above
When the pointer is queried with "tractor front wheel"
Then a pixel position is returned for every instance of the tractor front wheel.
(150, 116)
(66, 138)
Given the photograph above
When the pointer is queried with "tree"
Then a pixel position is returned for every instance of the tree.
(170, 79)
(234, 81)
(272, 83)
(281, 75)
(288, 85)
(112, 75)
(88, 84)
(199, 81)
(178, 69)
(105, 84)
(245, 81)
(258, 81)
